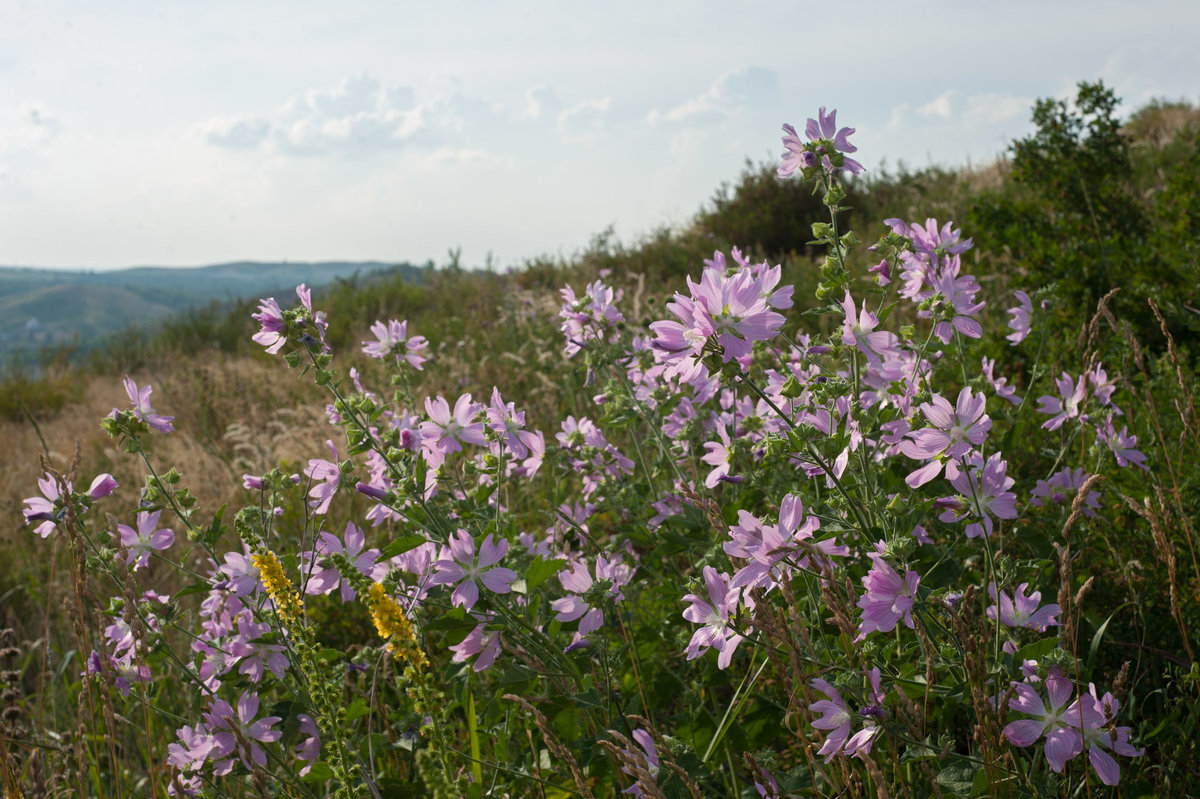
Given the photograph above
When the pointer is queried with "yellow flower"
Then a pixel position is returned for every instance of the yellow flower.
(279, 588)
(393, 626)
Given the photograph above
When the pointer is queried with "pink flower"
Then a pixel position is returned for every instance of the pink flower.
(577, 579)
(272, 333)
(1020, 610)
(447, 431)
(953, 432)
(145, 539)
(889, 598)
(458, 565)
(392, 338)
(325, 577)
(1060, 723)
(222, 720)
(482, 642)
(821, 132)
(858, 330)
(1022, 315)
(326, 477)
(1067, 405)
(140, 397)
(715, 612)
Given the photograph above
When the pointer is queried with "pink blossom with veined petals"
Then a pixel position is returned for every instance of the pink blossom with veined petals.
(446, 431)
(824, 127)
(1098, 740)
(953, 432)
(49, 508)
(458, 565)
(858, 330)
(1072, 394)
(1060, 723)
(145, 539)
(1061, 489)
(504, 419)
(983, 493)
(1123, 445)
(482, 642)
(714, 612)
(889, 598)
(1022, 318)
(325, 577)
(222, 720)
(835, 717)
(577, 579)
(326, 477)
(140, 397)
(1020, 610)
(271, 333)
(391, 337)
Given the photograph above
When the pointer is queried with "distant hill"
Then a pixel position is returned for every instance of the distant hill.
(50, 307)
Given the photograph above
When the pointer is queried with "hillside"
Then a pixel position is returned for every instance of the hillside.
(47, 308)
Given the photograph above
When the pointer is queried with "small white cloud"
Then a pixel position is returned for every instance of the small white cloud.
(990, 109)
(941, 107)
(540, 101)
(236, 132)
(728, 94)
(585, 117)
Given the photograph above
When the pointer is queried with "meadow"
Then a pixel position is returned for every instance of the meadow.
(856, 485)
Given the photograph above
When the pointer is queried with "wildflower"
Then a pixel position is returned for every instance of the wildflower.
(1061, 489)
(1122, 444)
(223, 722)
(50, 508)
(1105, 737)
(1020, 610)
(193, 749)
(577, 579)
(307, 749)
(858, 330)
(241, 572)
(272, 333)
(393, 626)
(822, 132)
(983, 493)
(889, 597)
(447, 431)
(279, 587)
(835, 717)
(957, 294)
(508, 422)
(458, 565)
(325, 576)
(645, 760)
(1021, 321)
(140, 397)
(326, 476)
(953, 432)
(1067, 405)
(591, 317)
(715, 612)
(392, 338)
(480, 642)
(256, 655)
(145, 539)
(1061, 725)
(999, 384)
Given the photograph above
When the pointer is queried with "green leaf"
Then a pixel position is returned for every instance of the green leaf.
(401, 545)
(541, 570)
(958, 777)
(358, 708)
(1038, 649)
(320, 772)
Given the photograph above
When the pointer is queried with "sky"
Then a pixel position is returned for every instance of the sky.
(183, 133)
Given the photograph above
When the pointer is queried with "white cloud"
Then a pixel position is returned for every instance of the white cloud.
(940, 107)
(992, 109)
(728, 94)
(584, 117)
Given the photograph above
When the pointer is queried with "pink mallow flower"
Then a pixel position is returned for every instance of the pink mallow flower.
(858, 330)
(1061, 489)
(50, 508)
(325, 577)
(457, 564)
(1060, 723)
(1022, 318)
(446, 431)
(392, 338)
(952, 433)
(983, 493)
(145, 539)
(715, 612)
(223, 721)
(823, 129)
(482, 642)
(140, 398)
(1072, 394)
(1106, 737)
(1020, 610)
(889, 598)
(577, 579)
(326, 476)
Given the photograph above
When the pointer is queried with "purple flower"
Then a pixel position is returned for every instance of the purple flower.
(193, 749)
(1122, 444)
(1061, 489)
(577, 579)
(102, 486)
(144, 539)
(1060, 723)
(821, 132)
(457, 564)
(482, 642)
(326, 476)
(592, 317)
(222, 720)
(256, 655)
(1105, 737)
(140, 397)
(647, 758)
(1022, 316)
(392, 338)
(505, 420)
(983, 493)
(325, 576)
(715, 612)
(447, 431)
(835, 717)
(307, 749)
(1020, 610)
(858, 330)
(1067, 405)
(953, 432)
(999, 384)
(48, 508)
(889, 598)
(271, 334)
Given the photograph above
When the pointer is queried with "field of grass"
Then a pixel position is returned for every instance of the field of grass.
(1127, 581)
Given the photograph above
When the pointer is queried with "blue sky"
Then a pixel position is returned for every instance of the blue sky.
(187, 133)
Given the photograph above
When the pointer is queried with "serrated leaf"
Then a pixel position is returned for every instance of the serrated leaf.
(401, 545)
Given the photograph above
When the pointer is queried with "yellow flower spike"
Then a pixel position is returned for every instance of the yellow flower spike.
(393, 626)
(279, 588)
